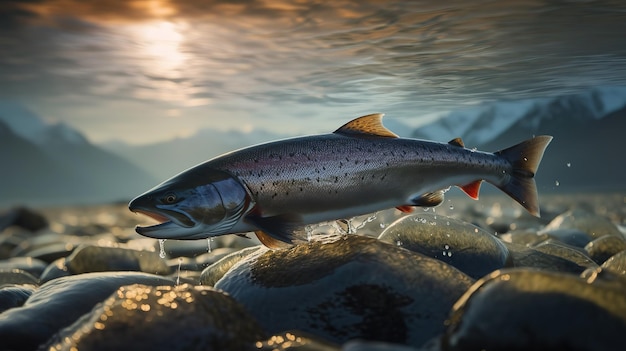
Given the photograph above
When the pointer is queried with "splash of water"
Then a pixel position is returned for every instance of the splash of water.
(162, 248)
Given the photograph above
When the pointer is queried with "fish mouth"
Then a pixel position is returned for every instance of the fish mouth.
(171, 223)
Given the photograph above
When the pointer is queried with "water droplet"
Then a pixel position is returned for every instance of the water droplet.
(208, 241)
(382, 225)
(162, 248)
(447, 247)
(557, 183)
(569, 164)
(449, 253)
(180, 262)
(399, 243)
(525, 159)
(452, 207)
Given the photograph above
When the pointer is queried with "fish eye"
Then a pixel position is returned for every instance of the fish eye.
(169, 198)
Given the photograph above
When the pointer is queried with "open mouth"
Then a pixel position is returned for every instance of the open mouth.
(167, 220)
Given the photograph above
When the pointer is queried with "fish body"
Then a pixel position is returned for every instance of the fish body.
(277, 188)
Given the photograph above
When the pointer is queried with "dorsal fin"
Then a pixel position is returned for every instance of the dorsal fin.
(369, 126)
(457, 142)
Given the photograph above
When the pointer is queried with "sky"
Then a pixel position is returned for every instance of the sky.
(149, 70)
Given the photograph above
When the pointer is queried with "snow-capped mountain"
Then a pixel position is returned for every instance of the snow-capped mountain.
(483, 123)
(587, 129)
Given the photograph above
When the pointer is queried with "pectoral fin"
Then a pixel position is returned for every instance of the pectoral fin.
(270, 242)
(282, 228)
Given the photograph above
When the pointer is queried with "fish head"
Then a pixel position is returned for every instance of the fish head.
(195, 204)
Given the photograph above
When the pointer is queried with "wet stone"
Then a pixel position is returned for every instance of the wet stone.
(14, 296)
(524, 237)
(208, 258)
(140, 317)
(470, 249)
(573, 237)
(216, 271)
(539, 310)
(585, 221)
(295, 340)
(56, 269)
(570, 253)
(90, 258)
(18, 277)
(528, 257)
(601, 249)
(58, 303)
(616, 263)
(352, 287)
(27, 264)
(24, 218)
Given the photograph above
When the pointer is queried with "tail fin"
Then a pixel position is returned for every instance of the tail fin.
(525, 158)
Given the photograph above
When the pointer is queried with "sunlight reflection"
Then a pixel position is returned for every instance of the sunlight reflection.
(160, 43)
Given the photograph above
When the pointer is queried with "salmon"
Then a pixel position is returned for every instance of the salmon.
(276, 189)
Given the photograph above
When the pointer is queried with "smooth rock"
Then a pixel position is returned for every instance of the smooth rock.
(523, 237)
(140, 317)
(585, 221)
(58, 303)
(27, 264)
(616, 264)
(539, 310)
(216, 271)
(24, 218)
(567, 236)
(56, 269)
(297, 341)
(570, 253)
(470, 249)
(530, 258)
(88, 258)
(352, 287)
(601, 249)
(14, 296)
(17, 277)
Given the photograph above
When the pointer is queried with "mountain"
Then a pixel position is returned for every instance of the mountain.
(587, 128)
(55, 164)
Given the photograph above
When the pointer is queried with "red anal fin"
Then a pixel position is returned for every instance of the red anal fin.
(472, 189)
(405, 208)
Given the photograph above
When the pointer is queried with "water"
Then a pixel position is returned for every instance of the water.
(162, 248)
(318, 60)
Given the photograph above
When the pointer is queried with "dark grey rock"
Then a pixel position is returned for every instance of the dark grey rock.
(352, 287)
(570, 253)
(88, 258)
(601, 249)
(54, 270)
(17, 276)
(470, 249)
(573, 237)
(539, 310)
(14, 296)
(27, 264)
(592, 224)
(24, 218)
(216, 271)
(140, 317)
(528, 257)
(616, 263)
(58, 303)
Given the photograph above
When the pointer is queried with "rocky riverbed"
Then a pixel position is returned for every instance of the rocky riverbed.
(464, 276)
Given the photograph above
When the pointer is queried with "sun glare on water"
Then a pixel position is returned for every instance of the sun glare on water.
(160, 42)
